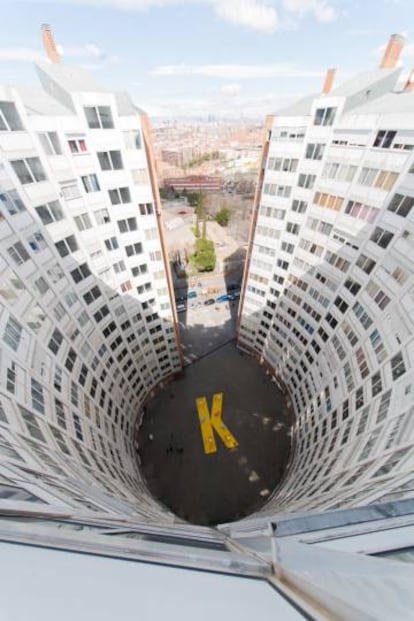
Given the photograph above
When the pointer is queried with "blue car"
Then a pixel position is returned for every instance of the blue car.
(191, 294)
(225, 297)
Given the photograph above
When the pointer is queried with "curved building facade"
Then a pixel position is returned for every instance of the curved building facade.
(87, 321)
(88, 333)
(328, 293)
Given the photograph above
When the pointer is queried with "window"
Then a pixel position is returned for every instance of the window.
(376, 384)
(384, 139)
(120, 195)
(397, 366)
(133, 139)
(99, 117)
(365, 263)
(102, 216)
(50, 212)
(306, 181)
(362, 315)
(55, 341)
(70, 360)
(110, 160)
(111, 243)
(328, 200)
(69, 190)
(41, 285)
(341, 304)
(38, 402)
(9, 118)
(381, 237)
(18, 253)
(140, 269)
(101, 313)
(133, 249)
(83, 222)
(29, 170)
(37, 242)
(12, 202)
(50, 143)
(299, 206)
(324, 116)
(314, 151)
(119, 267)
(92, 295)
(80, 272)
(385, 180)
(12, 333)
(146, 209)
(286, 165)
(277, 190)
(67, 245)
(32, 424)
(77, 145)
(401, 205)
(125, 226)
(361, 211)
(90, 183)
(352, 286)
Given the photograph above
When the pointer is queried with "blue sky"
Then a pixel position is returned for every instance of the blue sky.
(194, 57)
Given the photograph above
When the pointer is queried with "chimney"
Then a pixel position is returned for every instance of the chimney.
(392, 52)
(49, 44)
(409, 85)
(329, 78)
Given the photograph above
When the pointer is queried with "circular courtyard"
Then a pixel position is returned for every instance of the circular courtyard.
(215, 443)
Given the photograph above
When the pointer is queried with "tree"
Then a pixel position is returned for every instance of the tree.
(222, 217)
(204, 257)
(204, 232)
(192, 198)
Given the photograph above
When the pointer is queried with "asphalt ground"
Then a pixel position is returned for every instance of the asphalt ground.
(230, 483)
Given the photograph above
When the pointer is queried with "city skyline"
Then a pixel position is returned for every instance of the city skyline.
(182, 59)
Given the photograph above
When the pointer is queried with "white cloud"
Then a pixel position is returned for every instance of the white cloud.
(262, 15)
(237, 72)
(21, 54)
(231, 89)
(322, 10)
(251, 106)
(252, 13)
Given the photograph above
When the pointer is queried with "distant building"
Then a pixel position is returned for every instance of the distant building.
(192, 183)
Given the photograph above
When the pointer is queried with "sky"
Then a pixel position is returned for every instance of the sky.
(194, 58)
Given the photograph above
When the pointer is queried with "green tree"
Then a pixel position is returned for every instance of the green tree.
(204, 232)
(204, 257)
(192, 198)
(223, 216)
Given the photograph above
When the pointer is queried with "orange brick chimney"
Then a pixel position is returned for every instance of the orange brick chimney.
(49, 44)
(392, 52)
(409, 85)
(329, 78)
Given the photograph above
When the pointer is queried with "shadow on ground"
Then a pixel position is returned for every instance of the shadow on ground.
(231, 483)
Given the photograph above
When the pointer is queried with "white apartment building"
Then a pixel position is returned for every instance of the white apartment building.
(88, 333)
(328, 301)
(87, 323)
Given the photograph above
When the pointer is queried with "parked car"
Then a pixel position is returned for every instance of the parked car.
(235, 295)
(181, 307)
(209, 301)
(225, 297)
(191, 294)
